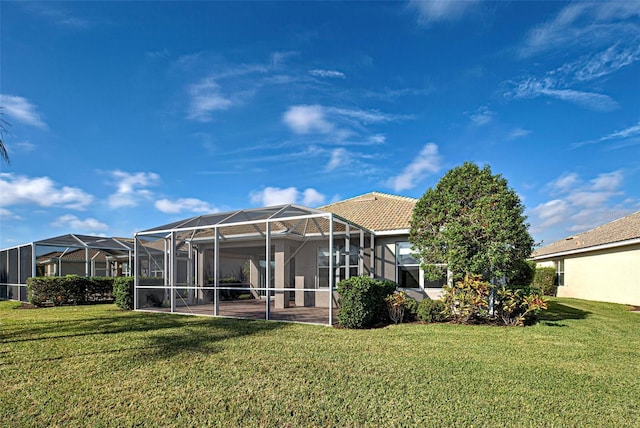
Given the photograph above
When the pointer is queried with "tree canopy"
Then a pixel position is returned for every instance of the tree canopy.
(472, 222)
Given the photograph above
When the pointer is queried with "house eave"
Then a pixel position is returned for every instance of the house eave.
(392, 232)
(588, 249)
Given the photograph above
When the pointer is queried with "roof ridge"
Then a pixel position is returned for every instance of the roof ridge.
(372, 193)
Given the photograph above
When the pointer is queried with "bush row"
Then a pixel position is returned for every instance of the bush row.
(70, 289)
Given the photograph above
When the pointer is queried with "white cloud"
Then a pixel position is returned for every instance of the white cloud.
(579, 205)
(304, 119)
(131, 188)
(584, 23)
(327, 73)
(551, 213)
(565, 182)
(337, 125)
(271, 196)
(603, 63)
(6, 214)
(427, 162)
(73, 223)
(588, 199)
(482, 116)
(609, 30)
(608, 182)
(518, 133)
(533, 88)
(312, 198)
(363, 116)
(41, 191)
(339, 157)
(23, 146)
(184, 204)
(278, 58)
(206, 97)
(589, 100)
(21, 110)
(630, 132)
(430, 11)
(58, 16)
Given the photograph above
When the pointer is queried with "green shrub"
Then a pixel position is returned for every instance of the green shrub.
(518, 306)
(69, 290)
(467, 300)
(362, 302)
(123, 292)
(396, 304)
(431, 310)
(410, 309)
(545, 280)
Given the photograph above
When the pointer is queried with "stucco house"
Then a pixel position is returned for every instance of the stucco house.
(280, 262)
(601, 264)
(77, 261)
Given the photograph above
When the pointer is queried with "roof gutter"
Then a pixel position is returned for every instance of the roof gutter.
(392, 232)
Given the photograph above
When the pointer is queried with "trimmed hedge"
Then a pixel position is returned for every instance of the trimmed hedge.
(545, 280)
(362, 302)
(123, 292)
(69, 290)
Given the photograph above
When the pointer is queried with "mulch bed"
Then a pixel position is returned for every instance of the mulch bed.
(27, 306)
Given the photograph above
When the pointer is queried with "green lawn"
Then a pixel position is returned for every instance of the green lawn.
(99, 366)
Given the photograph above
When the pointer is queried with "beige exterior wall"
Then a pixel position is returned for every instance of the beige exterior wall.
(547, 263)
(611, 275)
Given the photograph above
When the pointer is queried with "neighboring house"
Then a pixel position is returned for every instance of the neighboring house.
(62, 255)
(601, 264)
(74, 262)
(284, 261)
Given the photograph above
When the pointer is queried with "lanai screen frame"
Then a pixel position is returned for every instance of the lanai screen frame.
(256, 218)
(24, 270)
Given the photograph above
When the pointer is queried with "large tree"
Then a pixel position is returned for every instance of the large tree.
(472, 222)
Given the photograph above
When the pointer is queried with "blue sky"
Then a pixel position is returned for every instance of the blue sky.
(129, 115)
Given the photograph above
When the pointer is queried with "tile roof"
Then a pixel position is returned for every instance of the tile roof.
(79, 255)
(375, 211)
(618, 231)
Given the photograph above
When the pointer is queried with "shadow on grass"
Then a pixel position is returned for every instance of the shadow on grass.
(165, 334)
(558, 312)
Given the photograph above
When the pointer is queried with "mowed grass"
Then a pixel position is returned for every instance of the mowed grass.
(99, 366)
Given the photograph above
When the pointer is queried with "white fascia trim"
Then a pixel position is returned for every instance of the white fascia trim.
(392, 232)
(589, 249)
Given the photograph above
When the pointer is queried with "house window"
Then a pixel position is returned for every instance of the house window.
(408, 271)
(560, 272)
(341, 264)
(407, 266)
